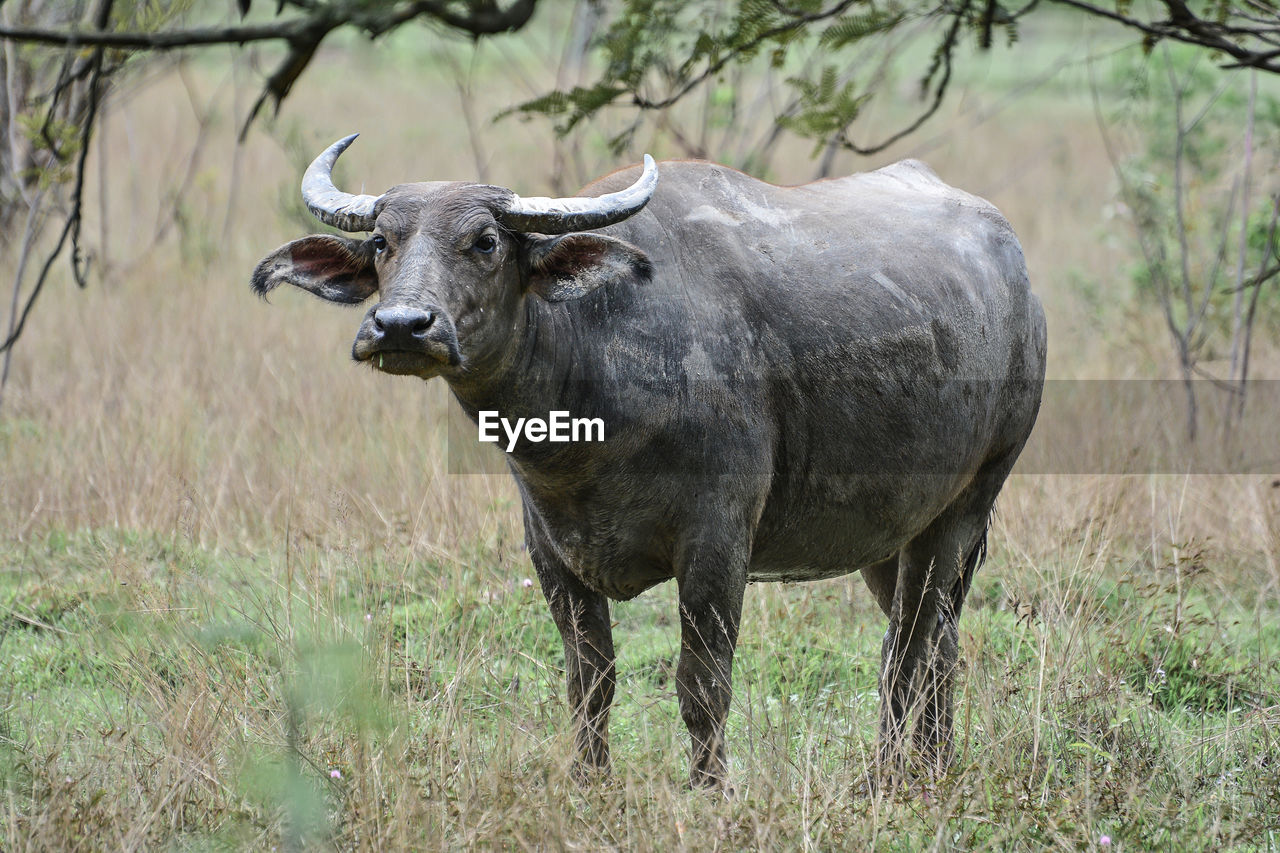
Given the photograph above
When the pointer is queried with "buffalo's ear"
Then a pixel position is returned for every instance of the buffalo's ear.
(338, 269)
(573, 265)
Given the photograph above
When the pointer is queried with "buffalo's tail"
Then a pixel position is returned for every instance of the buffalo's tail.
(972, 562)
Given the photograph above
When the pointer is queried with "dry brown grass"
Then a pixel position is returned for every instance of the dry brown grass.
(178, 459)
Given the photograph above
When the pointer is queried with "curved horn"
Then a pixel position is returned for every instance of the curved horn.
(329, 204)
(562, 215)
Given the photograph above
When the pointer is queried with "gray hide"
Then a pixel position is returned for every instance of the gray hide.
(797, 383)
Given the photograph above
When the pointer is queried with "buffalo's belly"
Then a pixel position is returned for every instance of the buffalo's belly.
(617, 544)
(819, 530)
(831, 546)
(624, 576)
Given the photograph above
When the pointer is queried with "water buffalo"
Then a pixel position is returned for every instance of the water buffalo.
(796, 383)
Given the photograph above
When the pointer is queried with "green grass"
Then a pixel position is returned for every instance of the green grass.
(158, 693)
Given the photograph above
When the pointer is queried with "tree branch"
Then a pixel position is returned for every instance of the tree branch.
(799, 21)
(942, 60)
(303, 32)
(160, 40)
(71, 227)
(1184, 26)
(485, 18)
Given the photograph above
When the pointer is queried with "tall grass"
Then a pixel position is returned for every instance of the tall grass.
(249, 606)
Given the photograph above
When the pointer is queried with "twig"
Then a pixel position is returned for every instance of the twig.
(751, 44)
(237, 158)
(71, 228)
(1237, 304)
(166, 218)
(302, 33)
(1187, 28)
(481, 19)
(462, 82)
(161, 41)
(1268, 251)
(36, 623)
(1152, 251)
(1216, 381)
(28, 237)
(941, 59)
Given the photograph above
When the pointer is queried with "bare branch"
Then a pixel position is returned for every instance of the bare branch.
(1237, 306)
(71, 227)
(1184, 26)
(174, 40)
(303, 33)
(34, 216)
(942, 59)
(480, 19)
(1263, 275)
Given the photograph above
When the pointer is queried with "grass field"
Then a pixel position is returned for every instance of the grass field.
(246, 605)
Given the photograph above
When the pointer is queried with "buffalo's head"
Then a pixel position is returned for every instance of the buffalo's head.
(451, 263)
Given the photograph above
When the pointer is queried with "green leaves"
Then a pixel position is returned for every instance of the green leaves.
(654, 53)
(59, 139)
(826, 106)
(657, 51)
(570, 108)
(853, 28)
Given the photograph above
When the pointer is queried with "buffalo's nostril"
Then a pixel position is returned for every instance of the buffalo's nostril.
(398, 321)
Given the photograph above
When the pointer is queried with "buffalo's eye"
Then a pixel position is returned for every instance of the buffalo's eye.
(379, 243)
(486, 244)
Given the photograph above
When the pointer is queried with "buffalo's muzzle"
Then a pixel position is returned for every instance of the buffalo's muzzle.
(406, 339)
(398, 327)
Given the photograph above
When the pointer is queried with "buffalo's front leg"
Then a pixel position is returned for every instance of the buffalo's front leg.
(583, 619)
(712, 581)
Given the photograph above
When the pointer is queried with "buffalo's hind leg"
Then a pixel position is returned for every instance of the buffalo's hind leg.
(934, 730)
(582, 616)
(921, 647)
(905, 656)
